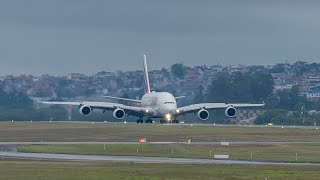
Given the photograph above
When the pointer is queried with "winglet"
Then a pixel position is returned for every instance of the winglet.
(146, 77)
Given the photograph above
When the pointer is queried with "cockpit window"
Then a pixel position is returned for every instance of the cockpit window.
(168, 102)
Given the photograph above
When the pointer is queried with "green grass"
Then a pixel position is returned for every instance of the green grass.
(42, 131)
(39, 131)
(44, 170)
(285, 153)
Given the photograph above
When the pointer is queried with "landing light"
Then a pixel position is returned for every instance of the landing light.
(178, 110)
(168, 117)
(147, 110)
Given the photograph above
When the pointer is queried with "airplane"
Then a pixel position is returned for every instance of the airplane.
(153, 104)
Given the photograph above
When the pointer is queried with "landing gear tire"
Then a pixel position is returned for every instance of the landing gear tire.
(139, 121)
(175, 121)
(148, 120)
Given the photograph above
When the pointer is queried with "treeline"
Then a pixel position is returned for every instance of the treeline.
(236, 88)
(14, 99)
(251, 87)
(287, 107)
(283, 107)
(239, 88)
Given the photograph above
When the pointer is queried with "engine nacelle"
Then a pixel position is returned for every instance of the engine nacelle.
(231, 112)
(203, 114)
(119, 113)
(85, 110)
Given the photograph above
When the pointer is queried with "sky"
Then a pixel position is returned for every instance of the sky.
(62, 36)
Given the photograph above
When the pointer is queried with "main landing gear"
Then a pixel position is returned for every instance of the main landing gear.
(140, 120)
(148, 120)
(175, 121)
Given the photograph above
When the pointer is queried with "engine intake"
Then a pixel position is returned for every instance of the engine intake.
(231, 112)
(203, 114)
(85, 110)
(119, 113)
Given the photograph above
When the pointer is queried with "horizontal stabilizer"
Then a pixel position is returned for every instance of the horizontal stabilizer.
(179, 97)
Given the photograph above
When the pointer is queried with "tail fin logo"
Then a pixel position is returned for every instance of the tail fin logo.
(146, 77)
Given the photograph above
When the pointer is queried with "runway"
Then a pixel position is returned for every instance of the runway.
(135, 159)
(8, 151)
(168, 142)
(191, 124)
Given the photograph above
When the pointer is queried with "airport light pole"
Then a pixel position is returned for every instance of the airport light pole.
(303, 112)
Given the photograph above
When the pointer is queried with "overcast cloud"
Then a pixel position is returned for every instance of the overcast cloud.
(63, 36)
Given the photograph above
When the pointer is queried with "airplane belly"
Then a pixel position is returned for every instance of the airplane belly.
(160, 112)
(167, 110)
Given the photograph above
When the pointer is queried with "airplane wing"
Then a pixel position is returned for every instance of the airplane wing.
(131, 110)
(196, 107)
(125, 99)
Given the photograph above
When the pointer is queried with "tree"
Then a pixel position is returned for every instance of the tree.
(199, 96)
(178, 70)
(261, 86)
(300, 67)
(219, 90)
(285, 99)
(239, 87)
(14, 99)
(276, 116)
(165, 72)
(277, 69)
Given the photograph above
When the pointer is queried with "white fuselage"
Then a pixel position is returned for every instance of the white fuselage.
(159, 104)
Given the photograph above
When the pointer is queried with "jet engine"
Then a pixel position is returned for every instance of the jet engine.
(85, 110)
(231, 112)
(119, 113)
(203, 114)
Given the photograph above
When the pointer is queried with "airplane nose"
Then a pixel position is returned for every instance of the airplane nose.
(171, 110)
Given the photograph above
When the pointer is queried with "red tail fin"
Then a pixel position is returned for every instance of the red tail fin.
(146, 77)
